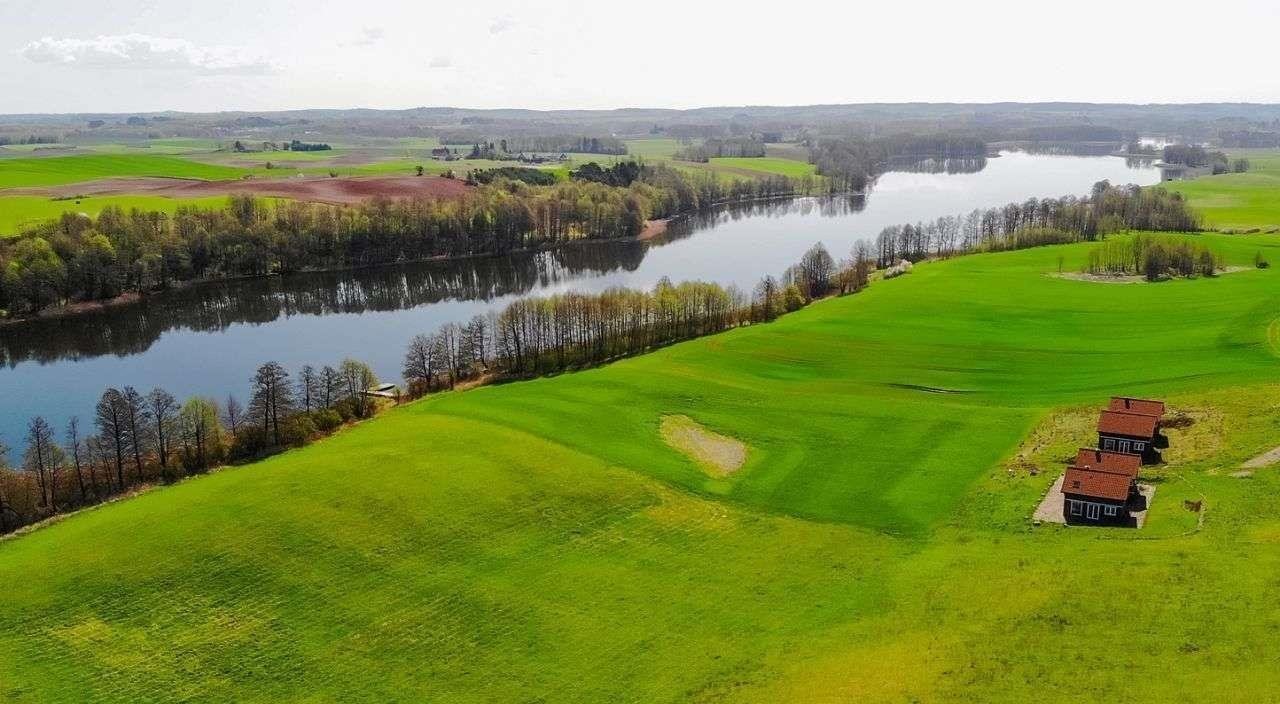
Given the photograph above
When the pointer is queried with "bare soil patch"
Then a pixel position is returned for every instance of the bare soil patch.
(653, 228)
(720, 455)
(339, 191)
(1266, 459)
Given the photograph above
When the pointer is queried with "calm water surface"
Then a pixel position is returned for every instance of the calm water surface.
(208, 339)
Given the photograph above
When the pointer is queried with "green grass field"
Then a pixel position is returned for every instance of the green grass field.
(537, 541)
(662, 150)
(1239, 201)
(60, 170)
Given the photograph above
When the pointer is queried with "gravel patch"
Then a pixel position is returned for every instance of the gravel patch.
(720, 455)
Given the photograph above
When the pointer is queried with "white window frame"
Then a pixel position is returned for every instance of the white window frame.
(1076, 508)
(1110, 510)
(1124, 446)
(1138, 446)
(1109, 444)
(1092, 511)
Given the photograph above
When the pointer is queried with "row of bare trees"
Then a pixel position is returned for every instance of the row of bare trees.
(1039, 222)
(139, 438)
(541, 335)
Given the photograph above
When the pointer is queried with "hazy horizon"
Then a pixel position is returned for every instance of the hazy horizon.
(148, 56)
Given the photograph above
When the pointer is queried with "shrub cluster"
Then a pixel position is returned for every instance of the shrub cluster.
(1154, 257)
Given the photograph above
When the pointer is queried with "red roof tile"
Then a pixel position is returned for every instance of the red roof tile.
(1096, 485)
(1137, 405)
(1134, 425)
(1109, 462)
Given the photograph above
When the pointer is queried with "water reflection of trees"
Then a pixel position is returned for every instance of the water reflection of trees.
(938, 165)
(132, 328)
(208, 307)
(708, 220)
(1070, 148)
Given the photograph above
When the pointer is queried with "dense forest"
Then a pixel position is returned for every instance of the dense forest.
(852, 163)
(297, 146)
(1039, 222)
(511, 144)
(524, 174)
(79, 258)
(28, 139)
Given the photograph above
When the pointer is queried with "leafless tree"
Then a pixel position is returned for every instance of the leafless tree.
(75, 445)
(163, 409)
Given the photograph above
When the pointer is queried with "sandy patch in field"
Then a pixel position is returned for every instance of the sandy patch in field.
(718, 454)
(317, 189)
(1266, 459)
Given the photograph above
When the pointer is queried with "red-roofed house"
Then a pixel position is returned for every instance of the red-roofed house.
(1110, 462)
(1136, 405)
(1130, 432)
(1101, 488)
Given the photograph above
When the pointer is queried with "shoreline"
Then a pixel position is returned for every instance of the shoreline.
(653, 231)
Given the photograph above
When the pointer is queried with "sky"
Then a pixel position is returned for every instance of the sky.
(148, 55)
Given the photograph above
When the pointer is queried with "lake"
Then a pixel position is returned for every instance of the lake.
(208, 339)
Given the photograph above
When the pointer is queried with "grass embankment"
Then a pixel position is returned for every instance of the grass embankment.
(541, 541)
(1239, 202)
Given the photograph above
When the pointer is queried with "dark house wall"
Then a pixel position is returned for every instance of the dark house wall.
(1121, 518)
(1129, 444)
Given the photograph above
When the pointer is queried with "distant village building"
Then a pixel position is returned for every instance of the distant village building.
(1101, 488)
(442, 153)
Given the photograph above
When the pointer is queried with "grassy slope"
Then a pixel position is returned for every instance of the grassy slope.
(512, 543)
(1239, 201)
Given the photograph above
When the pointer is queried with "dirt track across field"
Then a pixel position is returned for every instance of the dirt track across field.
(314, 189)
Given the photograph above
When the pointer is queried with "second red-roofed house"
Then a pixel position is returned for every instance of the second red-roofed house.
(1101, 488)
(1134, 431)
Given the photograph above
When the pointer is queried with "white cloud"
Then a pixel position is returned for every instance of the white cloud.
(502, 24)
(142, 51)
(440, 62)
(369, 36)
